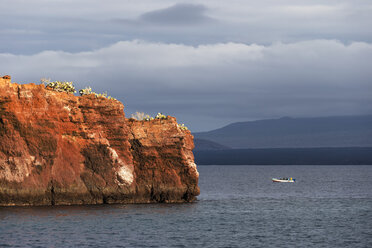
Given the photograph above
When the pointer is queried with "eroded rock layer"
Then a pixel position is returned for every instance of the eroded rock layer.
(57, 148)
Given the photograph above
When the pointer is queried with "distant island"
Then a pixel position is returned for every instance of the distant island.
(286, 156)
(321, 140)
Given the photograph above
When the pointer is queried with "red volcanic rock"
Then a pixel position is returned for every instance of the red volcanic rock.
(57, 148)
(163, 148)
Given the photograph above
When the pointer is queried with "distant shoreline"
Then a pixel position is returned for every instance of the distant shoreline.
(286, 156)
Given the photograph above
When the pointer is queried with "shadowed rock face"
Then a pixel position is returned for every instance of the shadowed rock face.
(56, 148)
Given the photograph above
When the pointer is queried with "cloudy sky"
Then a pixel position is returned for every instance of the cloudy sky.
(209, 63)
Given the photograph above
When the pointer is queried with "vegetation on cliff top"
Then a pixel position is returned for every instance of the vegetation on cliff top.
(88, 91)
(59, 86)
(68, 87)
(182, 126)
(140, 116)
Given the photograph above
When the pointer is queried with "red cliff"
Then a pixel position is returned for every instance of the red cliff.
(57, 148)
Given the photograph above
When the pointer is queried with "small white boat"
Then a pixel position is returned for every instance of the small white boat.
(283, 180)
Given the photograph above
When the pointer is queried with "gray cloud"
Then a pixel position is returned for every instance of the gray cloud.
(179, 14)
(208, 86)
(87, 25)
(209, 62)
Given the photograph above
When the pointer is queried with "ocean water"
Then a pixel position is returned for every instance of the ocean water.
(239, 206)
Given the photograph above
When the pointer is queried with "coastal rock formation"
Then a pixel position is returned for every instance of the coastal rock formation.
(57, 148)
(163, 159)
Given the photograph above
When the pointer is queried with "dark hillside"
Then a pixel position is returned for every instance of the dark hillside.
(203, 145)
(342, 131)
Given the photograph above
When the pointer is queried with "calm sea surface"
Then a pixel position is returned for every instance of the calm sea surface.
(239, 206)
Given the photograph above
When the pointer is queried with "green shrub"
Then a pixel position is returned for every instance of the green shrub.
(59, 86)
(160, 116)
(140, 116)
(111, 98)
(88, 91)
(100, 94)
(70, 88)
(147, 118)
(182, 127)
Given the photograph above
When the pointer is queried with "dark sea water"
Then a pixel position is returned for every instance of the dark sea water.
(239, 206)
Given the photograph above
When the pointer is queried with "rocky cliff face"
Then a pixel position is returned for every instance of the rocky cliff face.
(57, 148)
(163, 160)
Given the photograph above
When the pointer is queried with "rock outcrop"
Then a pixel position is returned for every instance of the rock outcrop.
(57, 148)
